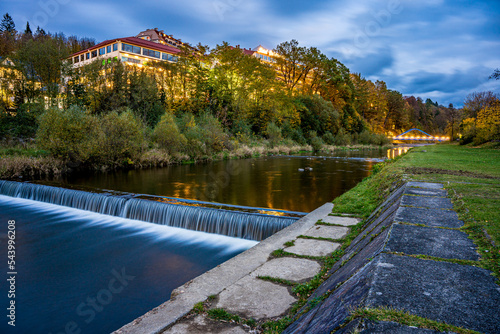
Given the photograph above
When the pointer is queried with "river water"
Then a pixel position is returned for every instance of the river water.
(80, 271)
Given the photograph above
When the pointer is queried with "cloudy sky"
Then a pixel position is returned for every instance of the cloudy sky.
(438, 49)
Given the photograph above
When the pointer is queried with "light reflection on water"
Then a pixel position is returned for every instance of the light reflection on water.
(278, 182)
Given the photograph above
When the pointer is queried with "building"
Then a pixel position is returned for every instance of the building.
(158, 36)
(130, 50)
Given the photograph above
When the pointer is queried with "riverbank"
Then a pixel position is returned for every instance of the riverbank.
(468, 176)
(29, 163)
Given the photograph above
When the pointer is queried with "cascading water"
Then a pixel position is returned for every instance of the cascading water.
(245, 225)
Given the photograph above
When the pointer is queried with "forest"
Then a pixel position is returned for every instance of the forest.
(212, 101)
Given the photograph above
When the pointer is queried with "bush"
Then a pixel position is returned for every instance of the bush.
(23, 123)
(213, 133)
(242, 130)
(273, 134)
(168, 136)
(342, 138)
(488, 124)
(70, 134)
(123, 137)
(468, 129)
(316, 142)
(329, 138)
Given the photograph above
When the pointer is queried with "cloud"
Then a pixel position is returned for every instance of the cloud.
(435, 48)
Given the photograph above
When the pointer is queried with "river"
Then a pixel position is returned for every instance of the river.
(80, 270)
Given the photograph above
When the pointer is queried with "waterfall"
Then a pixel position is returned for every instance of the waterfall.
(237, 224)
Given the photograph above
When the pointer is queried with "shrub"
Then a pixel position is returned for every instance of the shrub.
(122, 137)
(273, 134)
(488, 124)
(212, 133)
(168, 136)
(329, 138)
(468, 129)
(342, 138)
(70, 134)
(315, 141)
(23, 123)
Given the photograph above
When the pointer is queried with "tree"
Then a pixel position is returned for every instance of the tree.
(495, 75)
(28, 31)
(478, 100)
(41, 60)
(7, 36)
(294, 62)
(7, 25)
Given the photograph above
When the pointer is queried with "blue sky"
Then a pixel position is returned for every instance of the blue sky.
(438, 49)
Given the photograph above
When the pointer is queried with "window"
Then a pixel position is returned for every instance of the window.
(94, 53)
(164, 56)
(151, 53)
(115, 47)
(131, 60)
(87, 55)
(131, 48)
(76, 59)
(82, 57)
(108, 49)
(102, 51)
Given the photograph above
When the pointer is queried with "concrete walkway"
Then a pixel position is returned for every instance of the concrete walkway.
(237, 285)
(378, 269)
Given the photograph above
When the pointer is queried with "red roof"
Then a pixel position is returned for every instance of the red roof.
(135, 41)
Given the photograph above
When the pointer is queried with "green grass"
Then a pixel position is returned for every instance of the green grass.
(405, 318)
(471, 176)
(24, 152)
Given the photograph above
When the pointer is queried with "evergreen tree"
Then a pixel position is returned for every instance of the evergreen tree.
(7, 25)
(28, 31)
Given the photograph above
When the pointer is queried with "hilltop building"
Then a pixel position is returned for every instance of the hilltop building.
(131, 50)
(158, 36)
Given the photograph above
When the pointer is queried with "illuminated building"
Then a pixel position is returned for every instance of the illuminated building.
(130, 50)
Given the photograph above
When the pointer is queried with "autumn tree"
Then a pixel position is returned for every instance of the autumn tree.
(7, 35)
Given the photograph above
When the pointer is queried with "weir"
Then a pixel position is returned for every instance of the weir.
(252, 226)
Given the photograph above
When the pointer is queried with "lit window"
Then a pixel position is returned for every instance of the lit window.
(108, 49)
(151, 53)
(131, 48)
(115, 47)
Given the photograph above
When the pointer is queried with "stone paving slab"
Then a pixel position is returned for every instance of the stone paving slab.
(324, 231)
(425, 185)
(254, 298)
(345, 221)
(287, 268)
(310, 247)
(459, 295)
(427, 202)
(219, 278)
(426, 192)
(428, 217)
(438, 242)
(333, 311)
(202, 325)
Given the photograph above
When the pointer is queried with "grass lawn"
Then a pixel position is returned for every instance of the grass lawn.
(471, 176)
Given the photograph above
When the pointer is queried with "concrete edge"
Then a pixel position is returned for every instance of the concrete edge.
(217, 279)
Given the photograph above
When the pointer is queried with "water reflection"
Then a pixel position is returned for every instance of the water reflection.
(267, 182)
(397, 151)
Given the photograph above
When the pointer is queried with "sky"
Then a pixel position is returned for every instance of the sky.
(437, 49)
